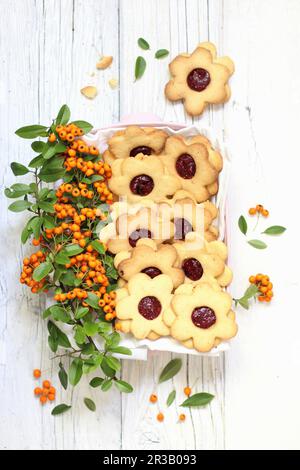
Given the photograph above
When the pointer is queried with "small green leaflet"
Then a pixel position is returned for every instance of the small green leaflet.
(140, 67)
(18, 169)
(257, 244)
(19, 206)
(75, 371)
(92, 300)
(96, 382)
(106, 385)
(199, 399)
(161, 53)
(90, 404)
(31, 132)
(171, 369)
(63, 376)
(113, 363)
(120, 350)
(72, 250)
(274, 230)
(59, 409)
(123, 386)
(38, 146)
(143, 44)
(250, 292)
(243, 224)
(63, 116)
(171, 398)
(98, 246)
(84, 126)
(42, 271)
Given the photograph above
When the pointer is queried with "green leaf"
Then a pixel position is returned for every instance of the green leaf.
(80, 335)
(84, 126)
(140, 67)
(243, 303)
(257, 244)
(52, 149)
(75, 371)
(81, 312)
(63, 376)
(113, 363)
(46, 313)
(38, 146)
(63, 116)
(106, 385)
(90, 404)
(199, 399)
(274, 230)
(98, 246)
(58, 335)
(161, 53)
(31, 132)
(92, 300)
(62, 258)
(49, 222)
(53, 343)
(19, 206)
(171, 398)
(52, 170)
(59, 409)
(108, 371)
(120, 350)
(143, 44)
(46, 206)
(96, 382)
(171, 369)
(18, 169)
(36, 162)
(17, 190)
(243, 225)
(60, 314)
(72, 250)
(251, 291)
(42, 271)
(35, 224)
(90, 328)
(123, 386)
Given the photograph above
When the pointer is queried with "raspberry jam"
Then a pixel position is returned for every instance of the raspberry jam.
(192, 269)
(142, 185)
(203, 317)
(149, 307)
(152, 271)
(198, 79)
(185, 166)
(142, 149)
(182, 228)
(137, 234)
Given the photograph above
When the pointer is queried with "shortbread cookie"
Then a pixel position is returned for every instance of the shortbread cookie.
(152, 261)
(188, 216)
(199, 78)
(134, 140)
(189, 162)
(144, 224)
(145, 304)
(142, 177)
(201, 318)
(203, 261)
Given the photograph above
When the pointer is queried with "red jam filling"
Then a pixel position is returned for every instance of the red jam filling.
(182, 228)
(141, 149)
(198, 79)
(152, 271)
(185, 166)
(149, 307)
(192, 269)
(203, 317)
(137, 234)
(142, 185)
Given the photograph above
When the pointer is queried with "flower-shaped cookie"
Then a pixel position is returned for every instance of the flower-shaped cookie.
(201, 317)
(153, 261)
(144, 305)
(203, 261)
(146, 223)
(134, 140)
(190, 163)
(188, 216)
(142, 177)
(199, 78)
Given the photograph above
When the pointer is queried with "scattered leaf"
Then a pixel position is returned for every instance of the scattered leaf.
(140, 67)
(161, 53)
(257, 244)
(171, 369)
(199, 399)
(274, 230)
(59, 409)
(143, 44)
(243, 224)
(171, 398)
(90, 404)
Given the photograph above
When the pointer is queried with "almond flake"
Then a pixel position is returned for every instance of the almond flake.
(104, 62)
(113, 83)
(89, 92)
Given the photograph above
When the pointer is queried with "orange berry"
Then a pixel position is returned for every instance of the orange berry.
(46, 384)
(269, 294)
(259, 277)
(118, 326)
(252, 279)
(160, 417)
(261, 298)
(153, 398)
(51, 397)
(252, 211)
(265, 213)
(52, 390)
(43, 400)
(37, 373)
(182, 417)
(187, 391)
(259, 208)
(52, 138)
(45, 392)
(38, 391)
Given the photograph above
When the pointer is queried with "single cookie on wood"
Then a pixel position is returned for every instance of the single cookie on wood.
(200, 78)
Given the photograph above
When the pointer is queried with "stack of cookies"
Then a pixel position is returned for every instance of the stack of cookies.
(172, 266)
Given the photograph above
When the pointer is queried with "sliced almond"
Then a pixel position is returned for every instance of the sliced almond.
(113, 83)
(104, 62)
(89, 92)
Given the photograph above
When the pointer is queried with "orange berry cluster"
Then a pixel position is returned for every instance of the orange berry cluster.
(104, 192)
(67, 133)
(47, 392)
(29, 265)
(73, 190)
(259, 209)
(264, 285)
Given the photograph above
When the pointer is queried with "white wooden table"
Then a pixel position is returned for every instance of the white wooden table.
(47, 53)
